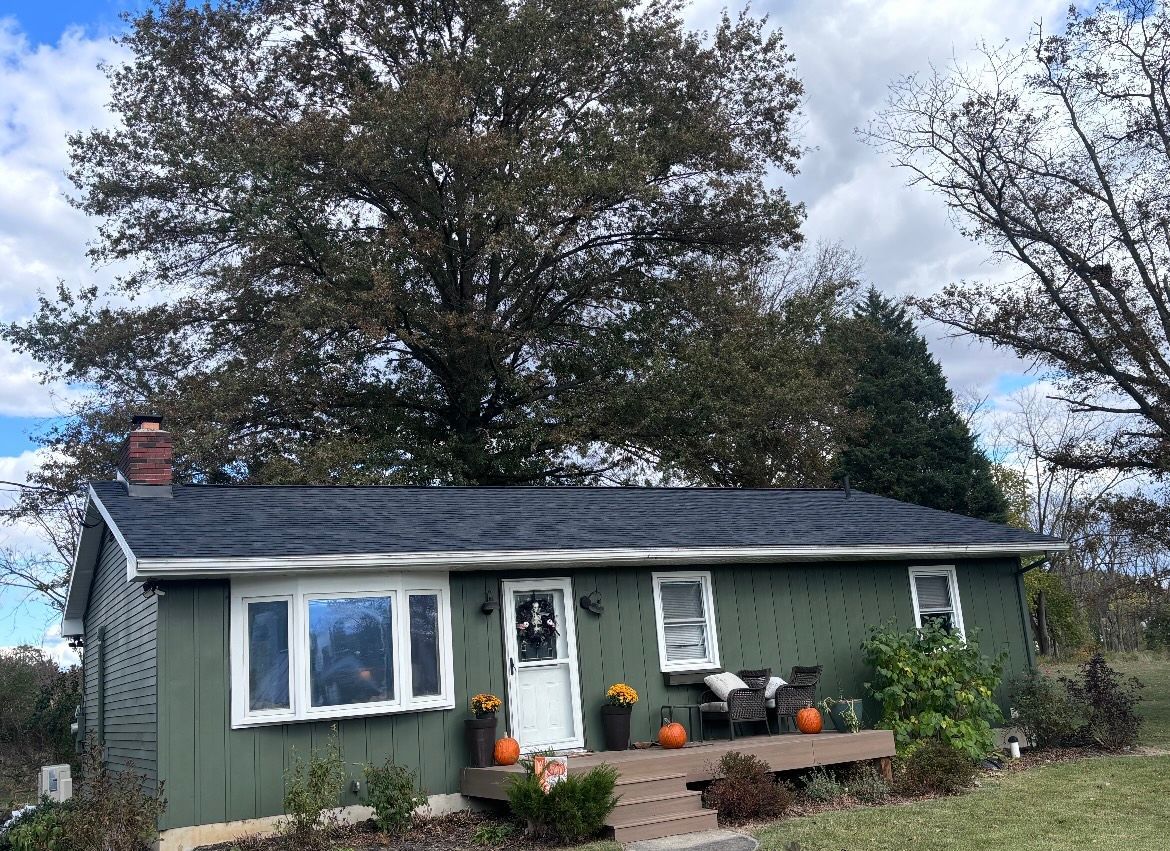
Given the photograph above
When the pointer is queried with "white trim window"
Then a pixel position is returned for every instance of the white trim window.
(684, 613)
(934, 591)
(306, 648)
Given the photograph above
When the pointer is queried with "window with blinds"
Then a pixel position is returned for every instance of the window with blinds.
(685, 620)
(936, 597)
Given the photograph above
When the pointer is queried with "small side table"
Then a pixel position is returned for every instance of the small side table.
(693, 709)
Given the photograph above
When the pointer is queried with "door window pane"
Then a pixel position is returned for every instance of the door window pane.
(539, 616)
(351, 650)
(424, 644)
(268, 655)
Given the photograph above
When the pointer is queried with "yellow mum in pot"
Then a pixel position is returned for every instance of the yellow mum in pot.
(620, 694)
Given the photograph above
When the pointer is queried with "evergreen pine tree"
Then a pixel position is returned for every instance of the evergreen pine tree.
(912, 444)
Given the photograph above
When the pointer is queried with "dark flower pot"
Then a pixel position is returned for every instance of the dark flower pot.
(481, 740)
(615, 721)
(837, 714)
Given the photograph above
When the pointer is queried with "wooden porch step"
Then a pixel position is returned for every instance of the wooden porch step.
(631, 810)
(632, 787)
(666, 825)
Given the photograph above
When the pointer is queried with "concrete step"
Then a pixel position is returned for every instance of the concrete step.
(631, 810)
(668, 825)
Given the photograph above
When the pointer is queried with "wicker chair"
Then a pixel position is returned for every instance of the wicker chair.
(800, 691)
(742, 704)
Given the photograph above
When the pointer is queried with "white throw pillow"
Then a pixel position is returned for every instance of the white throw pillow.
(770, 688)
(724, 684)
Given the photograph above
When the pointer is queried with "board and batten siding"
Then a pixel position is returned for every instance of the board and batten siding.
(767, 616)
(120, 666)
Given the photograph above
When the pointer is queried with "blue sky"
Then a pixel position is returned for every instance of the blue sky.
(846, 53)
(44, 22)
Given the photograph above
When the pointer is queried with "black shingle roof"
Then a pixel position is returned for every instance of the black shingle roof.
(230, 521)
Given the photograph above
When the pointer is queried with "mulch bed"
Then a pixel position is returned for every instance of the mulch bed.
(451, 832)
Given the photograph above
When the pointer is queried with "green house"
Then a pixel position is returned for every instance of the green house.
(226, 628)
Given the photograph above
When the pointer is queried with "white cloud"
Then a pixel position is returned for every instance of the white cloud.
(55, 647)
(46, 92)
(847, 53)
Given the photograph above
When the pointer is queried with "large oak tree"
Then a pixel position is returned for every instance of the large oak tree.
(416, 242)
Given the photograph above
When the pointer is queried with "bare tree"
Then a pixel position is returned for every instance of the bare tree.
(1058, 157)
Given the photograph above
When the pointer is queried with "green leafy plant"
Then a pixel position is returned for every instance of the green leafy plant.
(1044, 710)
(392, 790)
(934, 767)
(312, 788)
(745, 788)
(1111, 719)
(933, 684)
(866, 783)
(572, 810)
(44, 829)
(492, 834)
(822, 785)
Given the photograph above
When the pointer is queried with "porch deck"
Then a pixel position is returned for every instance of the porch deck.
(653, 797)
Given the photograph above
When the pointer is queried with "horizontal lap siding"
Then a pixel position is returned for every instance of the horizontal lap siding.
(130, 665)
(767, 616)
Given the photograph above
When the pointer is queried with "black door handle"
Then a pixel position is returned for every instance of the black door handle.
(512, 666)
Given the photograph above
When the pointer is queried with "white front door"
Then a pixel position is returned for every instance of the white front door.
(540, 638)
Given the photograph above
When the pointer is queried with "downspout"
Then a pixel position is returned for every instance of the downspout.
(1025, 615)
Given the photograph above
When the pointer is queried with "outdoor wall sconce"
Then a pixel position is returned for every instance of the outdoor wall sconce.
(489, 605)
(592, 603)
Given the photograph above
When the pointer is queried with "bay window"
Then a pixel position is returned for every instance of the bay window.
(334, 647)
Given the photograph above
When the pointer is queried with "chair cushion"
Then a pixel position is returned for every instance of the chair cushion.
(723, 684)
(714, 706)
(770, 688)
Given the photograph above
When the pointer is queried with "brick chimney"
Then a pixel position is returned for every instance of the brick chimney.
(145, 464)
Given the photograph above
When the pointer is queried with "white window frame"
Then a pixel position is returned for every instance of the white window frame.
(298, 591)
(952, 576)
(703, 577)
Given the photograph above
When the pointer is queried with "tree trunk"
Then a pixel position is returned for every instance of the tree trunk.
(1042, 625)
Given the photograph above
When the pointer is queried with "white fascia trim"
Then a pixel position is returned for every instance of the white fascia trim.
(148, 568)
(85, 563)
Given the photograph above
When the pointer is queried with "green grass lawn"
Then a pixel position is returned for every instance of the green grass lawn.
(1155, 705)
(1113, 802)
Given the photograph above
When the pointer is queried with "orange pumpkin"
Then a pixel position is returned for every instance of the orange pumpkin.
(809, 720)
(672, 735)
(507, 751)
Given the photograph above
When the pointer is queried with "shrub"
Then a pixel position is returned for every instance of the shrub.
(492, 833)
(1108, 702)
(392, 790)
(44, 829)
(866, 784)
(745, 788)
(933, 767)
(821, 785)
(572, 810)
(311, 788)
(1045, 711)
(932, 684)
(112, 811)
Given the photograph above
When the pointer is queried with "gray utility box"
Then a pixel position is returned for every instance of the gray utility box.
(56, 782)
